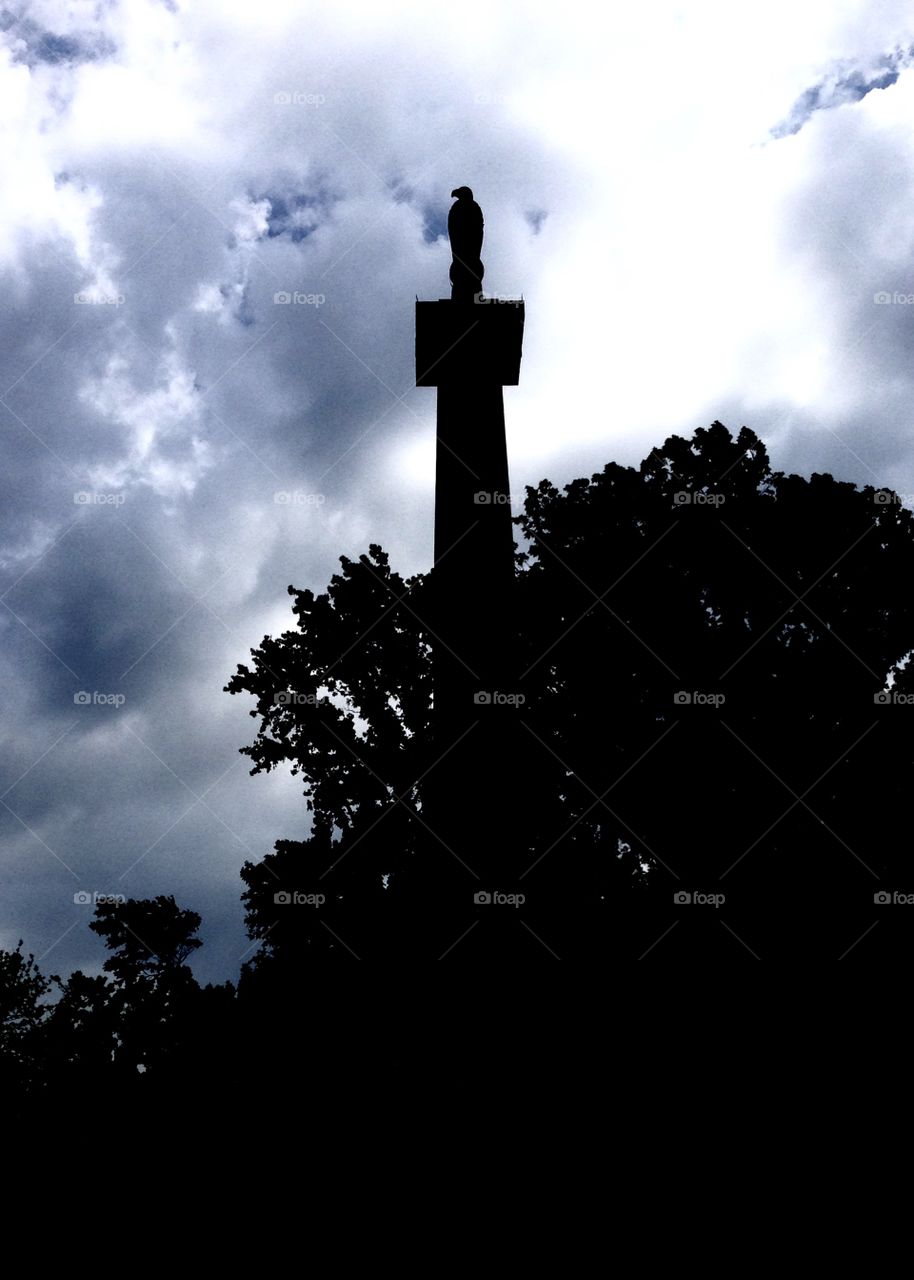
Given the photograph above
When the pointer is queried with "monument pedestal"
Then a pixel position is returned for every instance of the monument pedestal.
(470, 351)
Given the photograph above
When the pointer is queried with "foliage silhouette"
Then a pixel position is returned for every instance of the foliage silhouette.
(149, 939)
(700, 641)
(22, 1010)
(713, 659)
(145, 1034)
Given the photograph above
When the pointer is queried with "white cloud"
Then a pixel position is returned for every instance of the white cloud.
(152, 425)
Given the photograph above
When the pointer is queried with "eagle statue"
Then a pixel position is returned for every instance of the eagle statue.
(464, 228)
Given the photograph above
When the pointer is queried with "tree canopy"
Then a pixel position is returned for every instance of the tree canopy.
(708, 761)
(713, 660)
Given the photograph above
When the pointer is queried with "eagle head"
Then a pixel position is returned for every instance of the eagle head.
(462, 193)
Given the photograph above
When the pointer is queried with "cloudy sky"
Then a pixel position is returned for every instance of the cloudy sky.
(700, 203)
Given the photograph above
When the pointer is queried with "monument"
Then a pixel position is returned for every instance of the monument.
(469, 347)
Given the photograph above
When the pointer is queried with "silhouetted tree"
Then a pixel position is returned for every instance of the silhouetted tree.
(346, 702)
(155, 992)
(80, 1038)
(715, 664)
(699, 642)
(704, 573)
(148, 1033)
(149, 938)
(22, 1011)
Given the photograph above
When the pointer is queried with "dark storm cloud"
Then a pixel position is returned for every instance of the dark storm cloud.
(536, 218)
(863, 277)
(214, 419)
(33, 45)
(434, 223)
(842, 84)
(295, 215)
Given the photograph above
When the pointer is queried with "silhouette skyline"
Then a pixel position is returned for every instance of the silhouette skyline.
(686, 782)
(229, 407)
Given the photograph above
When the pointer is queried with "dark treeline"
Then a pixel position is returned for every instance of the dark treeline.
(707, 755)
